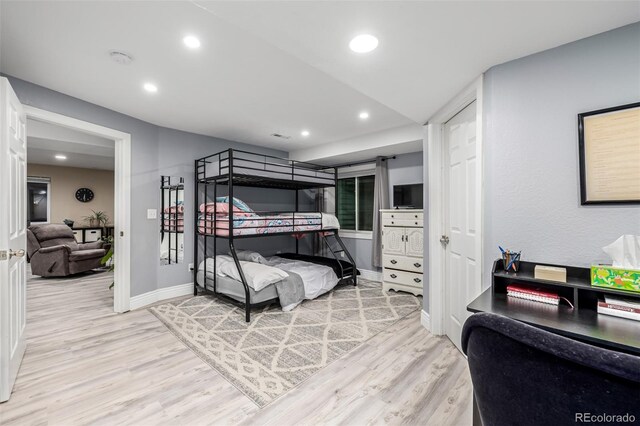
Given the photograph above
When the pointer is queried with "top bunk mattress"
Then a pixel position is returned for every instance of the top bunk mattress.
(215, 218)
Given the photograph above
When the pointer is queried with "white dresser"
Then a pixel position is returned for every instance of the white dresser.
(402, 250)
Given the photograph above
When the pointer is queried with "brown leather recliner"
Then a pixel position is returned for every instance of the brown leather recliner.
(54, 252)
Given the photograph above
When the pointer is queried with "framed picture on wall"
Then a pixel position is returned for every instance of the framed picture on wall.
(609, 147)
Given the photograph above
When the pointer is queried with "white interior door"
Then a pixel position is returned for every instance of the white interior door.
(13, 237)
(462, 257)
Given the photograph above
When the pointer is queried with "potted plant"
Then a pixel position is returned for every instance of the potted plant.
(108, 258)
(97, 218)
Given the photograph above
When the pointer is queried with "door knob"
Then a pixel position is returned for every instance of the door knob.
(19, 253)
(444, 240)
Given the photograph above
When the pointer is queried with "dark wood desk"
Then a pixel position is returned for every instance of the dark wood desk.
(585, 325)
(582, 323)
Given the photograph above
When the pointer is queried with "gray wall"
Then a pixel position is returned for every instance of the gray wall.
(531, 139)
(155, 151)
(404, 169)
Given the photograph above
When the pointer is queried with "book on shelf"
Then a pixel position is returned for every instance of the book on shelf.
(533, 294)
(619, 307)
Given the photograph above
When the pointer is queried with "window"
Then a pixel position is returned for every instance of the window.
(355, 203)
(38, 190)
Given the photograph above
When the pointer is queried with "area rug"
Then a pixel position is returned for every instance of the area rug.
(278, 350)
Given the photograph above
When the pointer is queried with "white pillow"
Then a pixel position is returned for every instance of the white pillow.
(250, 256)
(258, 276)
(220, 260)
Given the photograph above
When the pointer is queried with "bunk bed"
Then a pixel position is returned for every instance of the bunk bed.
(172, 221)
(221, 216)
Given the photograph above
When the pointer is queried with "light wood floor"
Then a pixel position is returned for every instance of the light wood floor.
(86, 365)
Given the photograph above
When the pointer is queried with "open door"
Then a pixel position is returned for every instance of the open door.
(13, 237)
(462, 274)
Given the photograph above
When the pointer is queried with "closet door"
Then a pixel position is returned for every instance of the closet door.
(393, 241)
(415, 242)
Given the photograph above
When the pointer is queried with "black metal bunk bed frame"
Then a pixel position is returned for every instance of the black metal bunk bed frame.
(169, 221)
(259, 171)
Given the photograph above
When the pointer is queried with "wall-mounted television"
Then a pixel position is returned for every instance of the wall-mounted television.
(407, 196)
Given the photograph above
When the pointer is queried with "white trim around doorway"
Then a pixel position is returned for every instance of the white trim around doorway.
(122, 187)
(434, 143)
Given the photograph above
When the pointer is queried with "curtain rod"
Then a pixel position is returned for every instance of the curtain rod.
(392, 157)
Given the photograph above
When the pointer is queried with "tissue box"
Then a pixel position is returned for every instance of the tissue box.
(616, 278)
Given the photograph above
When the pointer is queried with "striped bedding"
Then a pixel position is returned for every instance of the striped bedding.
(247, 222)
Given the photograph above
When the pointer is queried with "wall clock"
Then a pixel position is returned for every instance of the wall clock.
(84, 195)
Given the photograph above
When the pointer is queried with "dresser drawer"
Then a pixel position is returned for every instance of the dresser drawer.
(403, 215)
(407, 223)
(402, 277)
(412, 264)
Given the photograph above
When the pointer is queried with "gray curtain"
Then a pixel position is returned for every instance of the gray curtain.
(380, 201)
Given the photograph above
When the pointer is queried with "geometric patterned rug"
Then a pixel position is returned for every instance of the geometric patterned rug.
(278, 350)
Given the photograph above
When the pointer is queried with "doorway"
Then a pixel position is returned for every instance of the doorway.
(454, 144)
(13, 222)
(122, 192)
(70, 190)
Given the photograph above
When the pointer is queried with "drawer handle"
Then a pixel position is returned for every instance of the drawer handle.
(392, 216)
(416, 216)
(416, 223)
(394, 276)
(417, 280)
(392, 222)
(417, 265)
(394, 261)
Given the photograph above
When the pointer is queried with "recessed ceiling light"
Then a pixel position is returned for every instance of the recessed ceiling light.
(150, 87)
(363, 115)
(191, 42)
(363, 43)
(305, 133)
(60, 157)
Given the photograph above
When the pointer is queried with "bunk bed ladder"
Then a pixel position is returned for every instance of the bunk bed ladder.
(336, 254)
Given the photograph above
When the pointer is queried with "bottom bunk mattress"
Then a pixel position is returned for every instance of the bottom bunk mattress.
(289, 292)
(324, 261)
(317, 279)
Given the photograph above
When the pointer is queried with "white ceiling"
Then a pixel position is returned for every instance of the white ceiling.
(429, 50)
(282, 67)
(45, 141)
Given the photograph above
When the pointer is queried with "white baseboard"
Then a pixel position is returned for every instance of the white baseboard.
(154, 296)
(425, 320)
(370, 275)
